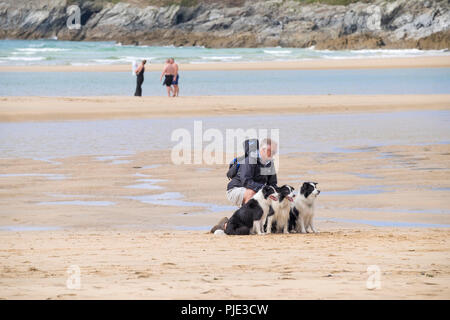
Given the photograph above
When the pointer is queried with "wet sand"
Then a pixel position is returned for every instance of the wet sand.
(75, 108)
(370, 63)
(128, 248)
(395, 183)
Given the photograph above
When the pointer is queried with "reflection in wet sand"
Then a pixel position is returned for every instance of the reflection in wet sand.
(78, 203)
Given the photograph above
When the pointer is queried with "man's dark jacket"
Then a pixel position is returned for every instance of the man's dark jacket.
(249, 175)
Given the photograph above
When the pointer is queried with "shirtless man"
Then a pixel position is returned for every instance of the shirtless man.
(168, 72)
(176, 77)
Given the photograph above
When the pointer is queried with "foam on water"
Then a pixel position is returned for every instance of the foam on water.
(91, 53)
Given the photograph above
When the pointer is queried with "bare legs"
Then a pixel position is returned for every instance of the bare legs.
(249, 193)
(176, 90)
(169, 90)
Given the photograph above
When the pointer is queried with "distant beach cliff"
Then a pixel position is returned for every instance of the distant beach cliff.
(422, 24)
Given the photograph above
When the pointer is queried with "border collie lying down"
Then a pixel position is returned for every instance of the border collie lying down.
(251, 217)
(278, 219)
(302, 211)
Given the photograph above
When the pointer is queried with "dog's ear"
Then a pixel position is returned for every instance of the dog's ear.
(304, 187)
(266, 189)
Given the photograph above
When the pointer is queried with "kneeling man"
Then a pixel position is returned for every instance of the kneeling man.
(253, 174)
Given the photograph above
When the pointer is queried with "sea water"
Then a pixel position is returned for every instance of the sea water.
(55, 52)
(255, 82)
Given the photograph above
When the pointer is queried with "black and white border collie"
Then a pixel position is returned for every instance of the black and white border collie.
(302, 212)
(278, 221)
(251, 217)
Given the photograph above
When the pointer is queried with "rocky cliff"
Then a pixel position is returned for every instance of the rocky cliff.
(422, 24)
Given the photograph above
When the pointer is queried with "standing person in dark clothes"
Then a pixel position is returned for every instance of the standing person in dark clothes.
(139, 78)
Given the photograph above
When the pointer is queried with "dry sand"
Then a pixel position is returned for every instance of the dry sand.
(373, 63)
(73, 108)
(124, 252)
(119, 264)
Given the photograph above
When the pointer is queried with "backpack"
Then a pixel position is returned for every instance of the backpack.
(250, 145)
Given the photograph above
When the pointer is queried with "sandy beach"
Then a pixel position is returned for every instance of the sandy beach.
(118, 264)
(385, 206)
(119, 107)
(317, 64)
(110, 183)
(133, 249)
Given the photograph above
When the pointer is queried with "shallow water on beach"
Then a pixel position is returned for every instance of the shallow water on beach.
(28, 228)
(298, 133)
(177, 199)
(255, 82)
(148, 184)
(49, 176)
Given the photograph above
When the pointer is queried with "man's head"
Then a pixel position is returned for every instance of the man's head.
(171, 60)
(268, 149)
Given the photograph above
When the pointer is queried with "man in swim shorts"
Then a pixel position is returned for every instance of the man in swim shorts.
(168, 73)
(176, 77)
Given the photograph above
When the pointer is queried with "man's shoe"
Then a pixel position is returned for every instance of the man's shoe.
(220, 225)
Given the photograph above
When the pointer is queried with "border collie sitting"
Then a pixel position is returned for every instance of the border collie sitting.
(302, 211)
(278, 219)
(251, 217)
